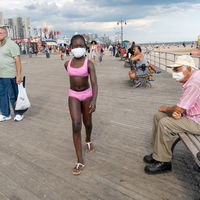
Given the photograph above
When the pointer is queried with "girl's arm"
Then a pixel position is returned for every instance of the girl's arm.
(93, 80)
(66, 64)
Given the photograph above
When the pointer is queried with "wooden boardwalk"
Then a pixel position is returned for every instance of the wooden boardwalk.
(37, 154)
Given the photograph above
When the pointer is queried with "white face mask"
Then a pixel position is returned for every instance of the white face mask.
(78, 52)
(178, 76)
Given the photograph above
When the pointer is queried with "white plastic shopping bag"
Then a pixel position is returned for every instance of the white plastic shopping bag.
(22, 99)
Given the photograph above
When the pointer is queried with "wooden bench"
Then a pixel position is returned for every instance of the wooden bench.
(127, 63)
(192, 142)
(122, 58)
(138, 79)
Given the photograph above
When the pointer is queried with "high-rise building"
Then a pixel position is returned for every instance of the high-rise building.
(89, 37)
(106, 39)
(1, 18)
(9, 29)
(21, 27)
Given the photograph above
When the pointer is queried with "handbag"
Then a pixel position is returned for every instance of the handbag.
(22, 102)
(22, 99)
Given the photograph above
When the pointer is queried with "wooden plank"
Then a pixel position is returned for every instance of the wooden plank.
(198, 137)
(2, 197)
(195, 141)
(18, 192)
(189, 144)
(8, 193)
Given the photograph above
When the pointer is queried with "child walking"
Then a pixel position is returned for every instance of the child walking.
(82, 97)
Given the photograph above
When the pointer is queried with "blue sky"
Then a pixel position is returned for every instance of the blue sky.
(147, 21)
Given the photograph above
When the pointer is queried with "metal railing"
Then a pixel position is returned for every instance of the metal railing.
(162, 58)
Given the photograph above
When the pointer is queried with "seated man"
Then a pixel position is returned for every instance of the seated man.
(140, 60)
(123, 52)
(169, 121)
(130, 51)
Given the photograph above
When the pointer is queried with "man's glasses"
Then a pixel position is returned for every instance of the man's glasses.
(176, 69)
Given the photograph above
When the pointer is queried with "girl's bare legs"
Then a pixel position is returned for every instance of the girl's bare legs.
(93, 59)
(87, 121)
(75, 112)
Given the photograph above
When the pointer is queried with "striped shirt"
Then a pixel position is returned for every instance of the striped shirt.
(190, 99)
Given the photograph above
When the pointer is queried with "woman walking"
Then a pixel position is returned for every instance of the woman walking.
(110, 49)
(93, 51)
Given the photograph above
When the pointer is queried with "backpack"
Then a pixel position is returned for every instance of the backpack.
(63, 50)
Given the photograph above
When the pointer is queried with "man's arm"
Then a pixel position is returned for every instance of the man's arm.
(137, 57)
(18, 66)
(175, 110)
(171, 109)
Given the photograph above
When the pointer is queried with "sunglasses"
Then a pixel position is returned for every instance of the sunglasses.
(176, 69)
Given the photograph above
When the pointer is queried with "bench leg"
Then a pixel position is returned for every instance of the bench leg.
(149, 83)
(175, 143)
(196, 168)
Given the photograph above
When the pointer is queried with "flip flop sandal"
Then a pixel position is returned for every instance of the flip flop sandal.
(78, 171)
(88, 150)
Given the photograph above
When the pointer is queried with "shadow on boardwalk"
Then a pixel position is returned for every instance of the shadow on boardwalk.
(37, 154)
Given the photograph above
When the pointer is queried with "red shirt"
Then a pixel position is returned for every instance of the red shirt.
(123, 52)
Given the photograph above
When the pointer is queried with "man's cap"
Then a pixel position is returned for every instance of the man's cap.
(183, 60)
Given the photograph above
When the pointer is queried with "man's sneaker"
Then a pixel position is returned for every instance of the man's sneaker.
(139, 84)
(18, 118)
(4, 118)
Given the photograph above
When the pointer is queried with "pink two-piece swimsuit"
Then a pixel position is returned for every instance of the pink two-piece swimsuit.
(81, 71)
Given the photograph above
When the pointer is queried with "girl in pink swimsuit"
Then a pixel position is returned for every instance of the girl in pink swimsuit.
(82, 97)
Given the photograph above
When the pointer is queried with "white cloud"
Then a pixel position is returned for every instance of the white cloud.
(145, 20)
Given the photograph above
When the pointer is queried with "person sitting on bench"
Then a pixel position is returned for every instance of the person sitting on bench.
(169, 121)
(152, 70)
(123, 52)
(130, 51)
(140, 61)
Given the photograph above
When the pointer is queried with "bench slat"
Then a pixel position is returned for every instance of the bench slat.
(189, 144)
(195, 141)
(198, 137)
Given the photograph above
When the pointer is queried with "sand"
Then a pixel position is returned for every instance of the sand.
(171, 49)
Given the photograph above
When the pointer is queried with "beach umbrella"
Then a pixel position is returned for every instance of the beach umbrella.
(126, 41)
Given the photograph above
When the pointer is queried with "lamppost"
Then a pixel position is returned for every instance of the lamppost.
(40, 32)
(35, 32)
(121, 22)
(29, 32)
(117, 36)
